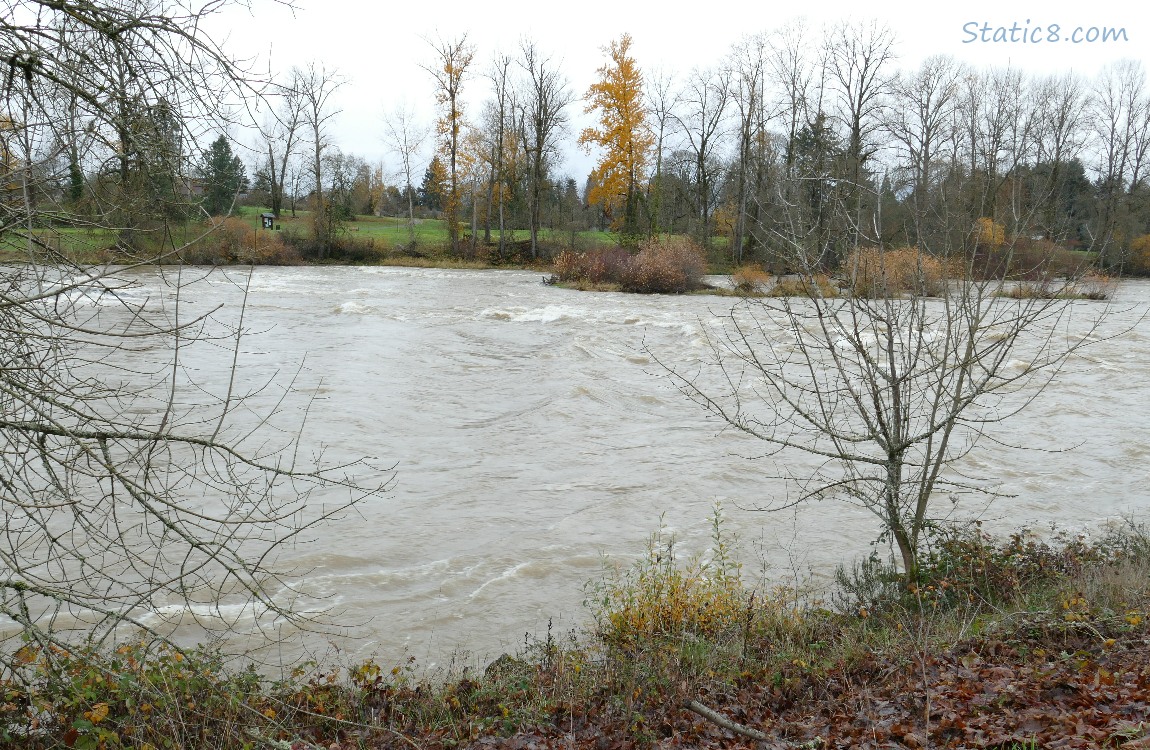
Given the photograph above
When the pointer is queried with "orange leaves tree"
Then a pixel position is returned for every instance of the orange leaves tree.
(449, 70)
(623, 135)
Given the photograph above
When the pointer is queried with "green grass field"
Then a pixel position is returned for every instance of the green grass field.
(389, 234)
(432, 232)
(93, 244)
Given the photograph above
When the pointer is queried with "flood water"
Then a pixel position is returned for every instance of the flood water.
(534, 435)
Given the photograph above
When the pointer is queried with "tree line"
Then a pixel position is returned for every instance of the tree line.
(795, 135)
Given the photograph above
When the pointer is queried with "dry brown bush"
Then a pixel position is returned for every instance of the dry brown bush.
(750, 279)
(233, 240)
(668, 265)
(568, 266)
(1026, 259)
(600, 266)
(1096, 286)
(1041, 260)
(872, 273)
(665, 265)
(805, 286)
(1093, 286)
(607, 265)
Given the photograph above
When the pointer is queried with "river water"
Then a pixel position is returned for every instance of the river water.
(534, 436)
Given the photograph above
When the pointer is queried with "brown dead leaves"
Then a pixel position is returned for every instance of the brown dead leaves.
(1001, 695)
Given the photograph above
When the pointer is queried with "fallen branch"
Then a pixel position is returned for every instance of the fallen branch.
(754, 734)
(726, 723)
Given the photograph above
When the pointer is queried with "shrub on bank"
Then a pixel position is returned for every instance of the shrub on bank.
(233, 240)
(818, 285)
(750, 279)
(874, 273)
(599, 266)
(138, 696)
(964, 567)
(1042, 260)
(662, 596)
(1026, 259)
(342, 247)
(1091, 286)
(662, 265)
(670, 265)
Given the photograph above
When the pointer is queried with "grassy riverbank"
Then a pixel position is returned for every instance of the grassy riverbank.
(1001, 643)
(585, 260)
(240, 239)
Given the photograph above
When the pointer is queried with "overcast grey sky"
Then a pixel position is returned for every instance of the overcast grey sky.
(379, 46)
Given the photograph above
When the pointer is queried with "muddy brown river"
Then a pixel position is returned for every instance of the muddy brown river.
(534, 438)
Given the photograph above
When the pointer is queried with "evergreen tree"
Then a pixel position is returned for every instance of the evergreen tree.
(431, 192)
(223, 175)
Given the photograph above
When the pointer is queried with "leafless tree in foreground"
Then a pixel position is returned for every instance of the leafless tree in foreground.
(888, 386)
(129, 488)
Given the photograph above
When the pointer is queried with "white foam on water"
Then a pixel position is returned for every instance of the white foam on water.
(353, 308)
(503, 576)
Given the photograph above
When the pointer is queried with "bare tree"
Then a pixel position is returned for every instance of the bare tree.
(858, 60)
(662, 98)
(1120, 120)
(1059, 137)
(997, 116)
(748, 63)
(545, 98)
(793, 75)
(315, 86)
(405, 138)
(887, 391)
(498, 127)
(921, 120)
(702, 117)
(281, 137)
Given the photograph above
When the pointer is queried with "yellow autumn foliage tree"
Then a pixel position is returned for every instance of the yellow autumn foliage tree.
(452, 59)
(991, 233)
(472, 169)
(622, 133)
(1140, 254)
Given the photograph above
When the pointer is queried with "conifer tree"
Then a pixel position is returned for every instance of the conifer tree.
(223, 176)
